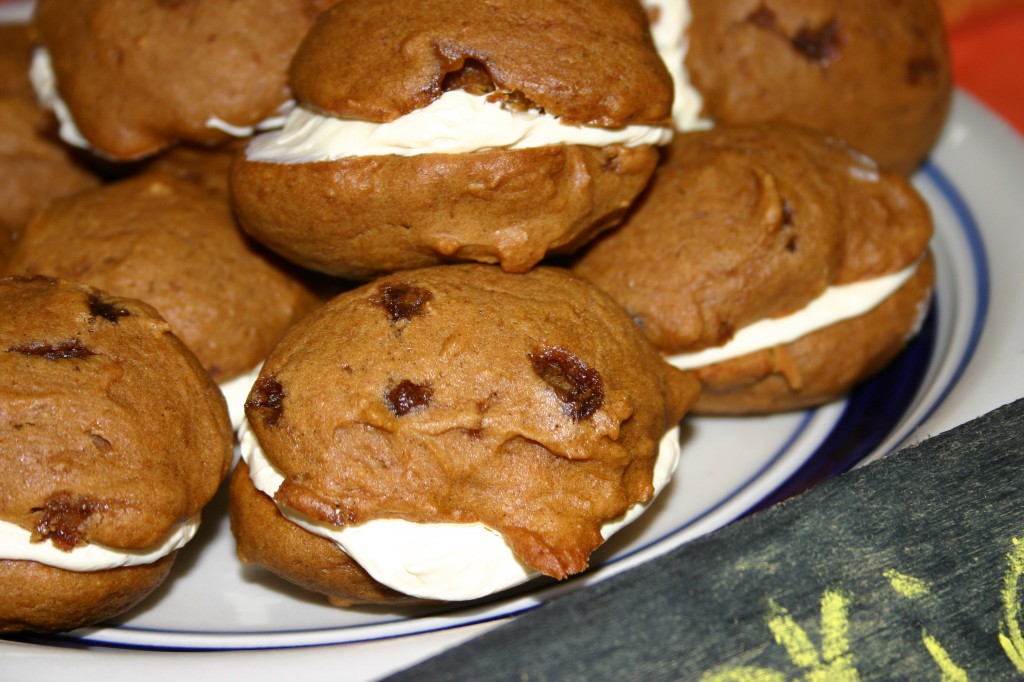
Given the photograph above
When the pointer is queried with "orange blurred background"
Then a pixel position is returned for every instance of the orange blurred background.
(986, 39)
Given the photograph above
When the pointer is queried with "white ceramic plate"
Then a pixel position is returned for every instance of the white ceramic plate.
(216, 617)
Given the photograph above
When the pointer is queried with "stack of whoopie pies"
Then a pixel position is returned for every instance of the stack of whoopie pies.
(470, 264)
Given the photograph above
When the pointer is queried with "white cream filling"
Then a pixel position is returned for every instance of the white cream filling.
(269, 123)
(16, 545)
(455, 123)
(236, 392)
(835, 304)
(220, 124)
(670, 34)
(44, 82)
(444, 561)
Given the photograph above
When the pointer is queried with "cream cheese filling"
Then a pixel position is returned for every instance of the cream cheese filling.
(444, 561)
(455, 123)
(44, 82)
(16, 544)
(270, 123)
(236, 392)
(835, 304)
(670, 32)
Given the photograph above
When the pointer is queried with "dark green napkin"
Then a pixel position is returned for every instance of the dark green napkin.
(910, 568)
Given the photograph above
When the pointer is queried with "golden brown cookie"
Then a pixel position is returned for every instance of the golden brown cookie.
(876, 74)
(8, 235)
(748, 223)
(366, 210)
(139, 75)
(15, 58)
(462, 394)
(590, 63)
(41, 598)
(364, 217)
(35, 166)
(111, 436)
(173, 243)
(206, 166)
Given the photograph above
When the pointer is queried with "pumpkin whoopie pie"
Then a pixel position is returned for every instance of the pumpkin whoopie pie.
(169, 238)
(448, 432)
(112, 440)
(132, 77)
(523, 128)
(875, 73)
(780, 264)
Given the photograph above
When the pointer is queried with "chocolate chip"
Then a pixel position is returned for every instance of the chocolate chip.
(821, 45)
(407, 396)
(787, 214)
(110, 312)
(402, 301)
(471, 76)
(787, 224)
(922, 71)
(266, 399)
(515, 100)
(576, 384)
(484, 406)
(101, 443)
(62, 519)
(60, 350)
(763, 17)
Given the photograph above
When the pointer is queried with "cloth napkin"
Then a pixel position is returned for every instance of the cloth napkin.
(909, 568)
